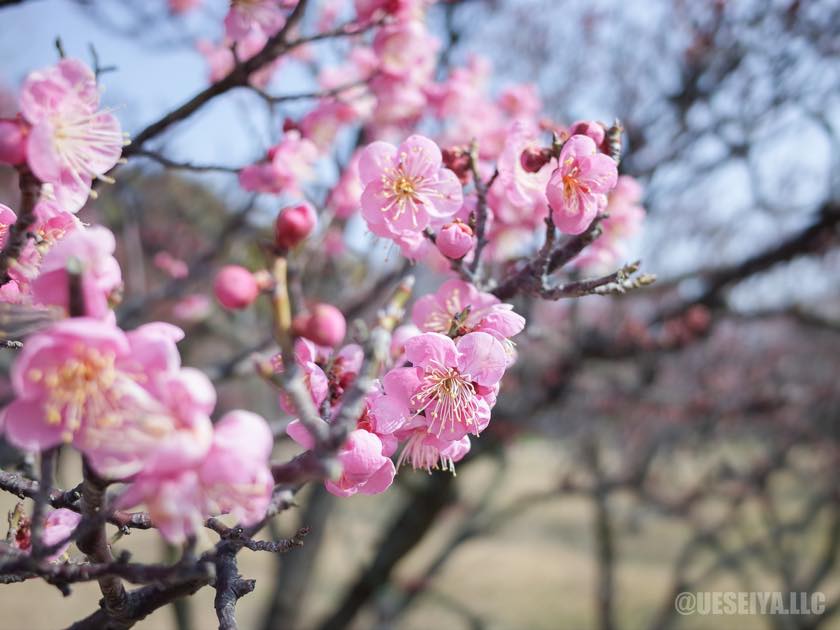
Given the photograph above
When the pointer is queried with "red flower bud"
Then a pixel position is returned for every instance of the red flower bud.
(457, 160)
(294, 224)
(533, 159)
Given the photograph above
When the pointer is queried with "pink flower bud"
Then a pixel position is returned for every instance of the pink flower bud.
(323, 324)
(235, 287)
(294, 224)
(12, 141)
(588, 128)
(455, 240)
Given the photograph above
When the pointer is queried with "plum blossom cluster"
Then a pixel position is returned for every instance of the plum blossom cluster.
(125, 402)
(490, 184)
(121, 398)
(444, 377)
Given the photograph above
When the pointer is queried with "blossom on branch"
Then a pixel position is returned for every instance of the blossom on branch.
(578, 187)
(71, 141)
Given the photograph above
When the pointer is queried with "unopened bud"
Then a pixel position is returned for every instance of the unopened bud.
(235, 287)
(455, 240)
(294, 224)
(533, 159)
(12, 141)
(324, 325)
(588, 128)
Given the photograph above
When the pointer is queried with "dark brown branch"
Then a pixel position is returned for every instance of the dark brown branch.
(184, 166)
(94, 544)
(530, 276)
(812, 239)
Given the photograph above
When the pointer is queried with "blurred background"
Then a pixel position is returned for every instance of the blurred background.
(682, 438)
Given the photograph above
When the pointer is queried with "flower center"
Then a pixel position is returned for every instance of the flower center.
(403, 190)
(82, 140)
(81, 387)
(451, 396)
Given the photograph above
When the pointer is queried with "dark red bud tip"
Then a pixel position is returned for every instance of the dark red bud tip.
(534, 159)
(457, 160)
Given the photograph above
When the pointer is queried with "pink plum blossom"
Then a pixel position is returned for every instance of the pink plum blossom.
(577, 188)
(364, 469)
(235, 475)
(120, 398)
(58, 526)
(425, 451)
(406, 187)
(306, 358)
(92, 251)
(170, 265)
(249, 17)
(459, 308)
(290, 164)
(522, 189)
(457, 379)
(398, 338)
(232, 478)
(71, 140)
(588, 128)
(345, 198)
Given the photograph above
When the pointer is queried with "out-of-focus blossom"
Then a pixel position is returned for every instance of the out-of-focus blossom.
(192, 308)
(235, 287)
(624, 220)
(294, 224)
(183, 6)
(71, 140)
(345, 198)
(322, 323)
(91, 252)
(290, 164)
(122, 399)
(170, 265)
(232, 478)
(13, 141)
(521, 101)
(249, 17)
(221, 60)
